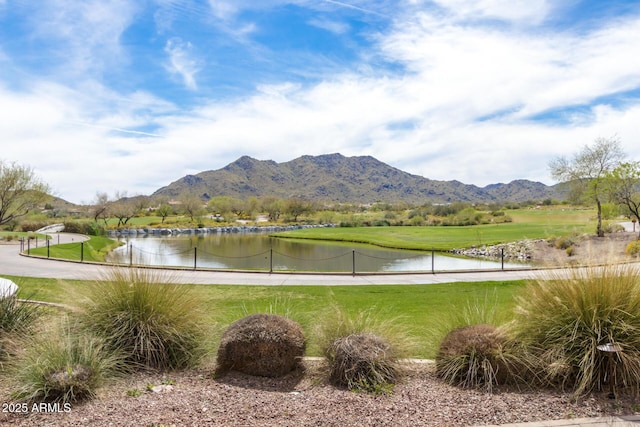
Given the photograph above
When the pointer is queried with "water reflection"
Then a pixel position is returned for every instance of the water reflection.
(255, 251)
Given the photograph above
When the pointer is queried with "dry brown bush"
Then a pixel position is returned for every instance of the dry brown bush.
(473, 357)
(264, 345)
(363, 362)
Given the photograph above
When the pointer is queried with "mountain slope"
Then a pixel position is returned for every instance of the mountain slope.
(336, 178)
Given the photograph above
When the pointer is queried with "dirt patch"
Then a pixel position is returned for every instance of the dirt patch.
(586, 250)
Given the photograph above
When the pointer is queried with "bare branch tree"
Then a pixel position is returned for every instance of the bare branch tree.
(586, 172)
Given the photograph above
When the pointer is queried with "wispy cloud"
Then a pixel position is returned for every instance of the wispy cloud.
(441, 91)
(183, 61)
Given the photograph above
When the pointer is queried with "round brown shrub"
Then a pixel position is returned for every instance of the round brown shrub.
(472, 357)
(363, 362)
(265, 345)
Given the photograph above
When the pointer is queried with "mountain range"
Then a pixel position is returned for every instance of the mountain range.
(336, 178)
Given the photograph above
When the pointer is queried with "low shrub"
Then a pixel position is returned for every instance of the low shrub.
(563, 242)
(61, 366)
(32, 225)
(363, 362)
(474, 356)
(266, 345)
(140, 314)
(91, 228)
(633, 248)
(362, 352)
(16, 320)
(561, 322)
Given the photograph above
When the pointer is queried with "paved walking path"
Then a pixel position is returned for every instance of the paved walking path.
(11, 263)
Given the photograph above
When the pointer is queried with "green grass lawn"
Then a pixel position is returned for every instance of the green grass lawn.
(420, 308)
(527, 224)
(93, 250)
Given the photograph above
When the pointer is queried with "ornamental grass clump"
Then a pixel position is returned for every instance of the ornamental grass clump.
(140, 314)
(473, 352)
(561, 322)
(475, 356)
(61, 365)
(363, 353)
(16, 320)
(266, 345)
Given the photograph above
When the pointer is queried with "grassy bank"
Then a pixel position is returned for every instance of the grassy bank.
(527, 224)
(420, 308)
(93, 250)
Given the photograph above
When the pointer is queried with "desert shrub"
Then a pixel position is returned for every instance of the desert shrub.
(570, 251)
(612, 227)
(16, 319)
(266, 345)
(142, 315)
(363, 362)
(562, 242)
(363, 353)
(92, 228)
(32, 225)
(474, 356)
(562, 321)
(62, 366)
(633, 248)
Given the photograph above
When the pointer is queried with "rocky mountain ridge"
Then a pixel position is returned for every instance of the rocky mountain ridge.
(336, 178)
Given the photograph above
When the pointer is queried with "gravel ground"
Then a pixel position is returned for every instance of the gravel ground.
(194, 398)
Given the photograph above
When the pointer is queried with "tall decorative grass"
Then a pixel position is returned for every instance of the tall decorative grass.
(61, 365)
(16, 319)
(363, 352)
(139, 313)
(561, 322)
(474, 350)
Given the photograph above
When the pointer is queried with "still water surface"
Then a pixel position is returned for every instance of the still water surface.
(257, 251)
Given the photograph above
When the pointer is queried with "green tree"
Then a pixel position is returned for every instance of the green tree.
(587, 171)
(623, 184)
(20, 191)
(192, 205)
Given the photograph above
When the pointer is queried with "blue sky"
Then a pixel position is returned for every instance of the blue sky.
(128, 96)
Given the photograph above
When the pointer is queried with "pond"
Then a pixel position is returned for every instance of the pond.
(258, 251)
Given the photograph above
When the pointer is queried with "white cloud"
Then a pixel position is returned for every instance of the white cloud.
(182, 61)
(462, 107)
(87, 31)
(335, 27)
(520, 11)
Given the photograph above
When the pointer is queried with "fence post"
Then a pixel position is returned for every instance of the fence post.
(195, 258)
(47, 248)
(130, 254)
(81, 251)
(28, 246)
(353, 262)
(36, 241)
(433, 261)
(502, 256)
(270, 260)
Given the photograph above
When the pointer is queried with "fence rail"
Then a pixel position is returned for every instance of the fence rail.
(136, 256)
